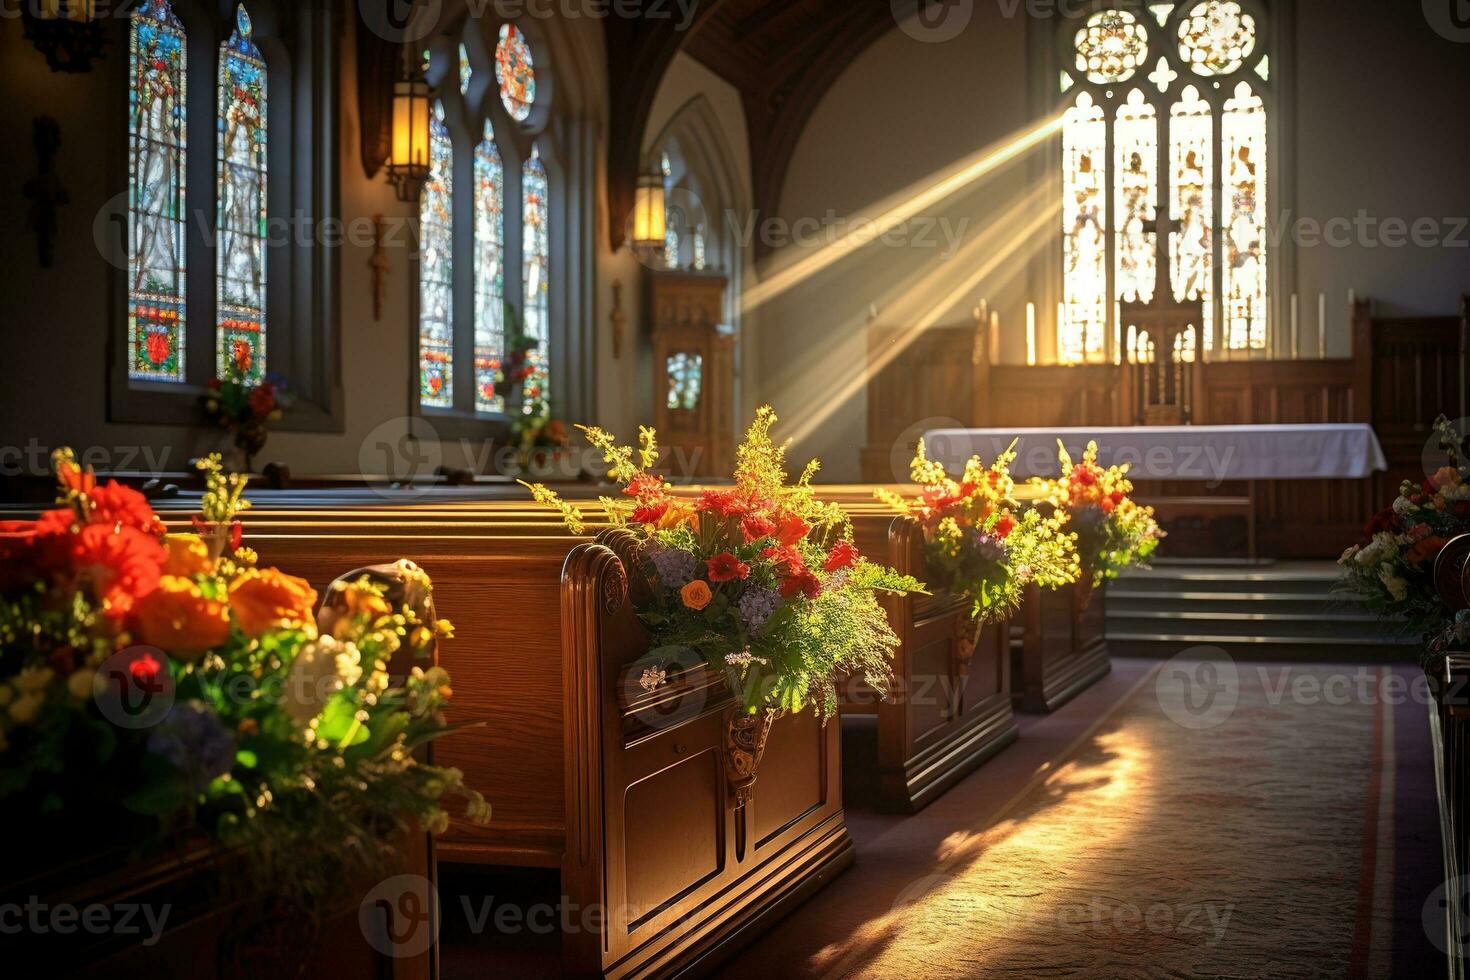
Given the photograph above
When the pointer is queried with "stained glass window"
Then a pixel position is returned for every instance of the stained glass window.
(1216, 36)
(466, 71)
(1191, 204)
(1111, 46)
(156, 221)
(1136, 154)
(685, 376)
(489, 272)
(1243, 160)
(436, 270)
(241, 181)
(536, 261)
(514, 72)
(1084, 231)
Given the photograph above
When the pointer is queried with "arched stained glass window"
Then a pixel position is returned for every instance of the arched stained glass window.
(1136, 156)
(1084, 231)
(466, 71)
(1191, 205)
(514, 72)
(156, 220)
(536, 267)
(436, 270)
(240, 227)
(1190, 156)
(489, 272)
(671, 227)
(1243, 162)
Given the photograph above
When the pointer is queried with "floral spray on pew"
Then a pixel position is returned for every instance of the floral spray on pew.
(761, 579)
(172, 687)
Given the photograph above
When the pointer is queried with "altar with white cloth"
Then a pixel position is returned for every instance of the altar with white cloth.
(1211, 454)
(1200, 459)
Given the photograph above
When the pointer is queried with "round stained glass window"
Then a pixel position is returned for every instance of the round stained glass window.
(1216, 37)
(514, 72)
(1111, 46)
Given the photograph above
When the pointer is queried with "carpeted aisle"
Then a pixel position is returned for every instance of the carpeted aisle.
(1176, 820)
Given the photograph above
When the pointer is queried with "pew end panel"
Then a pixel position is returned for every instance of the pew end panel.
(1059, 645)
(950, 707)
(685, 872)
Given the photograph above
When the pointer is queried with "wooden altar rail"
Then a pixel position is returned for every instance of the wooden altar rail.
(1403, 372)
(626, 791)
(1449, 724)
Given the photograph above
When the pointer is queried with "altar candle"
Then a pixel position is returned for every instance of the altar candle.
(1031, 333)
(994, 337)
(1321, 324)
(1295, 349)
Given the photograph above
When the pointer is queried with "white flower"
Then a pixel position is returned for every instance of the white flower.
(321, 668)
(652, 679)
(1401, 505)
(1347, 554)
(744, 659)
(1396, 586)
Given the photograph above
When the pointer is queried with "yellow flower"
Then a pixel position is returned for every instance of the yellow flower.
(180, 619)
(677, 515)
(33, 679)
(696, 595)
(23, 710)
(79, 684)
(263, 599)
(187, 555)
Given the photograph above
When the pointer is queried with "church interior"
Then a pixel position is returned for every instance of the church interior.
(811, 488)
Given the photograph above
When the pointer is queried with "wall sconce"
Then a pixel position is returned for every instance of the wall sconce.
(408, 162)
(648, 213)
(67, 32)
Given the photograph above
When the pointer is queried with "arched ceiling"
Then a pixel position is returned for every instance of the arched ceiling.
(781, 55)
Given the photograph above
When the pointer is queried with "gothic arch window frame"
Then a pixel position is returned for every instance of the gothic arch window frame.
(1061, 85)
(299, 45)
(465, 116)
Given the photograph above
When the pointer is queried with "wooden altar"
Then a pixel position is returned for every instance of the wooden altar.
(1403, 372)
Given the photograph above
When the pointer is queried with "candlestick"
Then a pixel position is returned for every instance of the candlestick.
(994, 337)
(1321, 324)
(1031, 333)
(1295, 346)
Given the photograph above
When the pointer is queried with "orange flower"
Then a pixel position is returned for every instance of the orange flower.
(676, 516)
(696, 595)
(187, 555)
(265, 598)
(179, 618)
(1424, 549)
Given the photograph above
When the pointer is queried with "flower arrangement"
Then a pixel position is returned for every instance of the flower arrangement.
(535, 433)
(1392, 569)
(1113, 531)
(761, 578)
(245, 408)
(980, 543)
(149, 684)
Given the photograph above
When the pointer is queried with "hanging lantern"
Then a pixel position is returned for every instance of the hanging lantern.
(408, 161)
(648, 212)
(67, 32)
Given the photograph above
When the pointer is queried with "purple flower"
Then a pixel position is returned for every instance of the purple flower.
(989, 547)
(756, 606)
(674, 566)
(192, 739)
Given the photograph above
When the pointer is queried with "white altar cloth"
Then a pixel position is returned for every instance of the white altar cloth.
(1211, 453)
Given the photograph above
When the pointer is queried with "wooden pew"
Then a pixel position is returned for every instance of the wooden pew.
(625, 790)
(1058, 644)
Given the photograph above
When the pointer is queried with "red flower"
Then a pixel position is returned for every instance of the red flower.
(144, 672)
(756, 527)
(1117, 496)
(17, 554)
(215, 384)
(1084, 475)
(1384, 520)
(1462, 507)
(801, 582)
(263, 400)
(117, 504)
(791, 529)
(726, 503)
(650, 513)
(645, 484)
(842, 555)
(118, 564)
(725, 566)
(784, 555)
(1107, 506)
(1004, 526)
